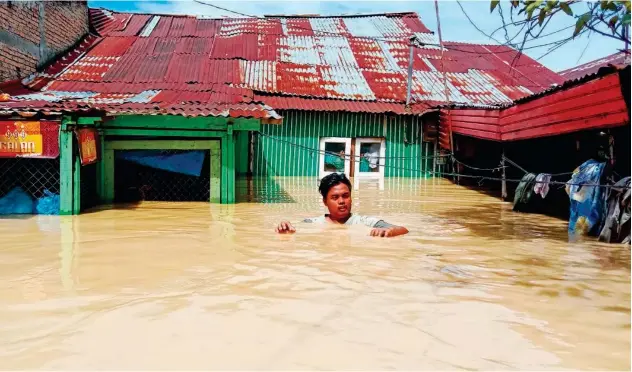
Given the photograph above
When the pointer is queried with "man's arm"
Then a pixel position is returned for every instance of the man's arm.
(385, 229)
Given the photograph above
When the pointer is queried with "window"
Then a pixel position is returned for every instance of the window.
(335, 156)
(369, 156)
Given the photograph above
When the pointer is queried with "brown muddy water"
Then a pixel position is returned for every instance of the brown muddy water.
(196, 286)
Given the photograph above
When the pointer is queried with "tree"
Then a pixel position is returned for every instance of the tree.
(607, 18)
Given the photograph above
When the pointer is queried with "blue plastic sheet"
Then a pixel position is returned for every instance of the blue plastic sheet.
(16, 201)
(587, 202)
(47, 204)
(189, 163)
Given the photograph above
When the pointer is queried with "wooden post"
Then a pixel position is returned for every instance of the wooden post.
(228, 167)
(76, 182)
(65, 169)
(108, 176)
(504, 177)
(101, 168)
(216, 173)
(434, 160)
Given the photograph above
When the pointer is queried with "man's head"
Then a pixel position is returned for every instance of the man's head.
(336, 191)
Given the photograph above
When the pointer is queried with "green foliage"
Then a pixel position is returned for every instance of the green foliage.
(614, 15)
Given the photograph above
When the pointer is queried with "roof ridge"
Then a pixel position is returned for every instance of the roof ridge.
(360, 15)
(265, 16)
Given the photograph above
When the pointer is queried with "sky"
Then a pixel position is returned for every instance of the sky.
(455, 26)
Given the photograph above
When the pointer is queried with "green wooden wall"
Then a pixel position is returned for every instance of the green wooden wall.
(290, 150)
(242, 147)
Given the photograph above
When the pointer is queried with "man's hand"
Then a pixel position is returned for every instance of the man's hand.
(390, 232)
(285, 227)
(381, 232)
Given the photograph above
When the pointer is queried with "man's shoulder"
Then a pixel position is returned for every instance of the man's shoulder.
(357, 219)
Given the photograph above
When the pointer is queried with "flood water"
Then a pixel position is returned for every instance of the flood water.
(197, 286)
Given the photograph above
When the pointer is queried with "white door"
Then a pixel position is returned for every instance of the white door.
(335, 156)
(369, 160)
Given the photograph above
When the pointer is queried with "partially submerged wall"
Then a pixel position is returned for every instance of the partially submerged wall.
(291, 149)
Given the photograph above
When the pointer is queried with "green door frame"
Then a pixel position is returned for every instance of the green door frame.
(217, 187)
(216, 134)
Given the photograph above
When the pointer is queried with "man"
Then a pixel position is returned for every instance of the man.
(336, 191)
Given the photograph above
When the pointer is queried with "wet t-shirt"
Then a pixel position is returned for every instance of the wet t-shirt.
(354, 220)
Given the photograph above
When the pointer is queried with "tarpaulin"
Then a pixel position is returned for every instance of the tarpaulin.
(189, 163)
(587, 201)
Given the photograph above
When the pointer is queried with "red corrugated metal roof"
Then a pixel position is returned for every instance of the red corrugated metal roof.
(350, 58)
(619, 59)
(595, 101)
(315, 104)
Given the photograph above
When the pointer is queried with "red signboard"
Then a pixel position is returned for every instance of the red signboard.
(88, 151)
(34, 139)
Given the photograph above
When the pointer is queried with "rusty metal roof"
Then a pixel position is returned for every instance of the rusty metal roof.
(320, 59)
(618, 59)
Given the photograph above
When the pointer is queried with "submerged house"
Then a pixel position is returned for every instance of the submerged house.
(273, 96)
(548, 133)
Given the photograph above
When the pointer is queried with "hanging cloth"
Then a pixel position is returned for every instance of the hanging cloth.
(542, 184)
(524, 192)
(587, 202)
(616, 227)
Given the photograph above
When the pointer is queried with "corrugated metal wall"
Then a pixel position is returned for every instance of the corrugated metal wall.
(290, 151)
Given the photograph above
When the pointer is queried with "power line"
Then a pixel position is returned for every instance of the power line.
(452, 174)
(347, 156)
(342, 35)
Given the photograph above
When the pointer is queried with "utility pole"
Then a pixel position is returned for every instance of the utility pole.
(410, 69)
(503, 192)
(445, 87)
(626, 36)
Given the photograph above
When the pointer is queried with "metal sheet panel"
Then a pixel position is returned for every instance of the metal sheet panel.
(299, 50)
(89, 69)
(327, 26)
(111, 47)
(207, 28)
(345, 82)
(238, 46)
(259, 75)
(133, 26)
(377, 26)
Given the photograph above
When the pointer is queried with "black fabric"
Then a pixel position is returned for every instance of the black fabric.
(523, 198)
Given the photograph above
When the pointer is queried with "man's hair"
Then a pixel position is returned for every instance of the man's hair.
(332, 180)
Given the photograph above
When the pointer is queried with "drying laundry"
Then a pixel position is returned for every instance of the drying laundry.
(587, 201)
(542, 184)
(616, 227)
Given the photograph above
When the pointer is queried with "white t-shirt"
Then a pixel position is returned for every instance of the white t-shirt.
(354, 220)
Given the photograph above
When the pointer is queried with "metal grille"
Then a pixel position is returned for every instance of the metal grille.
(89, 196)
(32, 175)
(134, 182)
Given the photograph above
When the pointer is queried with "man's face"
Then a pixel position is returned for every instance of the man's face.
(338, 201)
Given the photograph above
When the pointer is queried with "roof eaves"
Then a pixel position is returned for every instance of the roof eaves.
(603, 71)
